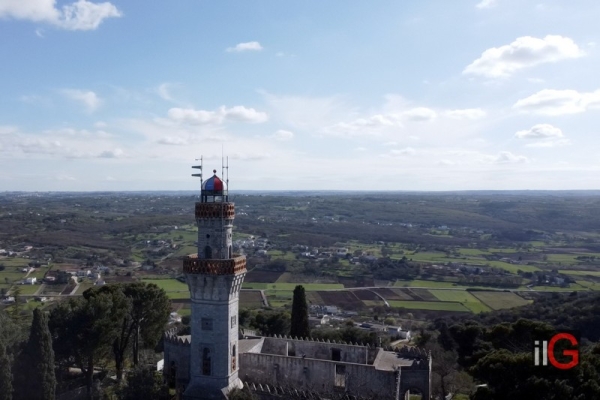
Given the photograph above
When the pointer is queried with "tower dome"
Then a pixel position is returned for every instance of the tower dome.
(214, 189)
(214, 184)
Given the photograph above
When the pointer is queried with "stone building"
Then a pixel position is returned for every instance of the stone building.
(214, 360)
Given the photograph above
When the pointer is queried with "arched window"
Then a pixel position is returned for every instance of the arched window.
(173, 374)
(208, 252)
(230, 253)
(206, 365)
(233, 359)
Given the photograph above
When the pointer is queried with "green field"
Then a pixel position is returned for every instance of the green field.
(280, 255)
(512, 268)
(291, 286)
(29, 289)
(463, 297)
(428, 284)
(168, 285)
(574, 272)
(499, 300)
(279, 298)
(428, 305)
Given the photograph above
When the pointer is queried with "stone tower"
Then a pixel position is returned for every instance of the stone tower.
(214, 276)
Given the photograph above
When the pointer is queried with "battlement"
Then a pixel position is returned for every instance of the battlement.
(320, 341)
(232, 266)
(170, 336)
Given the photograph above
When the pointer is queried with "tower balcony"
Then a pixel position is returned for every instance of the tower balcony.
(232, 266)
(215, 210)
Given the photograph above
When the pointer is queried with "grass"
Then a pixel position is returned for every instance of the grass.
(473, 252)
(512, 268)
(428, 305)
(29, 289)
(461, 296)
(420, 283)
(280, 255)
(583, 273)
(168, 285)
(279, 298)
(292, 286)
(501, 300)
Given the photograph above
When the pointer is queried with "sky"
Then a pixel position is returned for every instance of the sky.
(312, 95)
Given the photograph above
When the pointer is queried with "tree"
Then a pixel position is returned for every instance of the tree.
(142, 384)
(34, 372)
(84, 329)
(6, 387)
(242, 394)
(299, 327)
(149, 314)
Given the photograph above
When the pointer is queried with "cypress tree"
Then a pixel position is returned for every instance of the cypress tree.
(300, 326)
(34, 374)
(5, 375)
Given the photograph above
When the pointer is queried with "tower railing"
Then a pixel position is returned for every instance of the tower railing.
(231, 266)
(215, 210)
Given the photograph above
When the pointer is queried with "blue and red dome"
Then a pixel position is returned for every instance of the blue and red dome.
(214, 184)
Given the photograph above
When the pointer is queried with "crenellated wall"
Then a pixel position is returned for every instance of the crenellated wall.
(318, 375)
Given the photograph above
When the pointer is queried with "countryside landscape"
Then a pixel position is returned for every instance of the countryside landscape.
(426, 254)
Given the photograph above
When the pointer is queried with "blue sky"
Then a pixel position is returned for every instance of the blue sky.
(343, 95)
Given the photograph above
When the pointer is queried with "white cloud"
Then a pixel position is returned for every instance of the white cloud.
(540, 131)
(80, 15)
(486, 4)
(445, 162)
(549, 143)
(466, 113)
(88, 98)
(282, 134)
(505, 157)
(524, 52)
(247, 46)
(243, 114)
(365, 126)
(407, 151)
(419, 114)
(116, 153)
(223, 114)
(558, 102)
(173, 140)
(64, 177)
(163, 92)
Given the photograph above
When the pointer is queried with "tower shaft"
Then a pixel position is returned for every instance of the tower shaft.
(214, 276)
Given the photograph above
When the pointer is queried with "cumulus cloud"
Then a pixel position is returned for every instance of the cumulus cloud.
(545, 135)
(550, 143)
(486, 4)
(282, 134)
(540, 131)
(223, 114)
(173, 140)
(397, 153)
(466, 113)
(247, 46)
(365, 126)
(505, 157)
(163, 92)
(558, 102)
(80, 15)
(116, 153)
(88, 98)
(419, 114)
(526, 51)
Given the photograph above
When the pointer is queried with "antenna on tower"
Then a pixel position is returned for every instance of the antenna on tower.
(200, 168)
(227, 169)
(222, 166)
